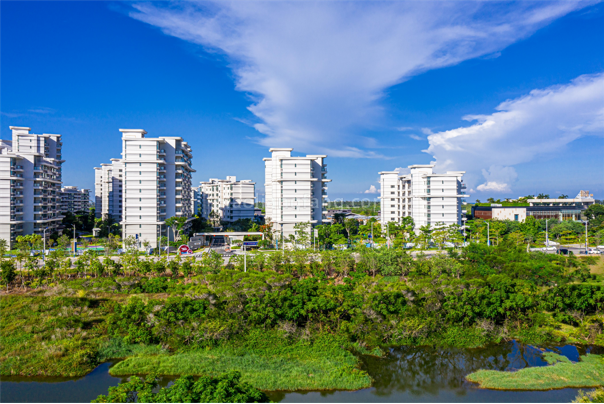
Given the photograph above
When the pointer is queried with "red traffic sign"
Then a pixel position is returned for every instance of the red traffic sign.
(185, 249)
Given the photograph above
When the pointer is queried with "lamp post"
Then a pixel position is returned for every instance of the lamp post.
(488, 234)
(44, 252)
(159, 243)
(546, 234)
(372, 243)
(244, 257)
(75, 247)
(282, 239)
(586, 237)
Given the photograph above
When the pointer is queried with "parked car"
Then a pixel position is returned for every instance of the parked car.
(563, 251)
(594, 251)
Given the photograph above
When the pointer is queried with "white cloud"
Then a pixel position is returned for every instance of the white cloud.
(316, 71)
(544, 121)
(372, 190)
(404, 128)
(403, 170)
(416, 137)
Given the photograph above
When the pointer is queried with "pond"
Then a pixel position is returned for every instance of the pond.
(405, 374)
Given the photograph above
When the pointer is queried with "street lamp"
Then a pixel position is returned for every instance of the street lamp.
(372, 243)
(44, 252)
(75, 247)
(488, 234)
(586, 237)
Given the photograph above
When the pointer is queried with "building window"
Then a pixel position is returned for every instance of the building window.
(516, 218)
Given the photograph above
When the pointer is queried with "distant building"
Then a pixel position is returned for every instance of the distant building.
(427, 197)
(74, 200)
(295, 189)
(30, 184)
(559, 209)
(108, 183)
(229, 199)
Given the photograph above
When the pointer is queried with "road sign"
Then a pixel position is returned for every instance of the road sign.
(185, 249)
(250, 243)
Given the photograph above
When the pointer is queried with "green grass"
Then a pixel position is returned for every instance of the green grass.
(588, 372)
(266, 361)
(48, 336)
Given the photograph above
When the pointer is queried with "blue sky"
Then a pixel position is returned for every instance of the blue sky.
(373, 85)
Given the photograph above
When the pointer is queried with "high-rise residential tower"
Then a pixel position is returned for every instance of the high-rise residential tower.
(108, 184)
(295, 190)
(427, 197)
(229, 199)
(156, 186)
(30, 184)
(74, 200)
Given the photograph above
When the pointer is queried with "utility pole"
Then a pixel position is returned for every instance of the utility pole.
(488, 234)
(372, 244)
(546, 234)
(244, 259)
(159, 243)
(388, 234)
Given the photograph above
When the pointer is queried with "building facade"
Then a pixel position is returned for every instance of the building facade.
(295, 190)
(423, 195)
(74, 200)
(30, 184)
(229, 199)
(108, 190)
(557, 209)
(156, 185)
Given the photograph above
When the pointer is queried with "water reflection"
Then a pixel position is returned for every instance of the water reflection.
(406, 374)
(426, 374)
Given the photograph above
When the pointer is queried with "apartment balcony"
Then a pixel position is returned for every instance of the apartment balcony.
(161, 152)
(17, 168)
(161, 169)
(37, 169)
(17, 185)
(161, 196)
(17, 203)
(161, 186)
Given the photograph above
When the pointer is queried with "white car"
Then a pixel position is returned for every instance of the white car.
(594, 251)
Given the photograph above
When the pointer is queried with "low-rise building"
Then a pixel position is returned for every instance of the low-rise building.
(427, 197)
(74, 200)
(559, 209)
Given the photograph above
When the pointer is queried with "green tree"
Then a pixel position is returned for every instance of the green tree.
(227, 388)
(8, 273)
(176, 223)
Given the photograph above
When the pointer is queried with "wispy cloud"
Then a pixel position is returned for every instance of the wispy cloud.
(544, 121)
(316, 71)
(415, 137)
(42, 110)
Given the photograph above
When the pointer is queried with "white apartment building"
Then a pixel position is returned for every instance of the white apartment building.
(230, 199)
(30, 184)
(427, 197)
(108, 183)
(197, 199)
(295, 190)
(74, 200)
(157, 184)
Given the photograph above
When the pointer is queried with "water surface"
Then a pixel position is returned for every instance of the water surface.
(405, 374)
